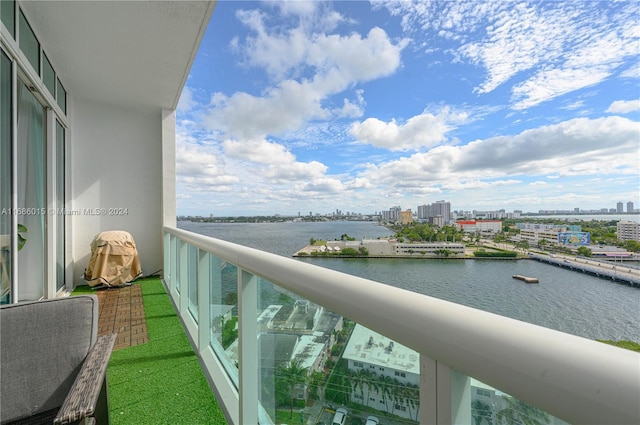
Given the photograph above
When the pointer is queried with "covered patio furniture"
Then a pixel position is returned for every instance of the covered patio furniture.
(114, 260)
(52, 363)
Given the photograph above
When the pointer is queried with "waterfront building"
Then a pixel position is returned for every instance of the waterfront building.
(619, 207)
(630, 209)
(628, 230)
(392, 214)
(535, 235)
(391, 247)
(428, 248)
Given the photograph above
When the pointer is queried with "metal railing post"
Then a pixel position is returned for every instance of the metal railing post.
(248, 346)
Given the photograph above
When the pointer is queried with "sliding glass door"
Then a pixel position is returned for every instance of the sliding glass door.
(33, 107)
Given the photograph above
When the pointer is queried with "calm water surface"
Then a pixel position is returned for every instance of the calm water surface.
(564, 300)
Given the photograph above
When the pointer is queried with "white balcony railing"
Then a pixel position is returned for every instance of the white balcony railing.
(572, 378)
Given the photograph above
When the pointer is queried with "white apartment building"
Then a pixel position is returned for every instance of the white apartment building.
(392, 215)
(377, 360)
(536, 235)
(428, 248)
(480, 226)
(383, 247)
(628, 230)
(439, 208)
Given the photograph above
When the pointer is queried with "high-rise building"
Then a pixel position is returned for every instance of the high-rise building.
(619, 207)
(423, 211)
(392, 215)
(439, 208)
(405, 217)
(629, 207)
(628, 230)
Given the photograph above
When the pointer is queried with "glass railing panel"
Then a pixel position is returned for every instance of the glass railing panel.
(381, 376)
(223, 289)
(192, 270)
(485, 405)
(175, 264)
(313, 362)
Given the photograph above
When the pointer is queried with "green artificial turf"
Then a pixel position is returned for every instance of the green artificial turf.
(159, 382)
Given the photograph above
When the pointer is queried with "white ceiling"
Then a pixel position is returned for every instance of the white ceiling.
(131, 53)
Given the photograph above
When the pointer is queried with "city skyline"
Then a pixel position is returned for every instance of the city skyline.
(530, 106)
(416, 211)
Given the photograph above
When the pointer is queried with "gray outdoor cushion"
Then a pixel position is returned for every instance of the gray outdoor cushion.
(42, 347)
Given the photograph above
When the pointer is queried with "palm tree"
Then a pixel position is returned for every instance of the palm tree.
(369, 379)
(542, 243)
(358, 380)
(520, 413)
(523, 245)
(413, 398)
(292, 375)
(386, 388)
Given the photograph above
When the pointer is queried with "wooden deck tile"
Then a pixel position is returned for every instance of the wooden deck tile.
(122, 311)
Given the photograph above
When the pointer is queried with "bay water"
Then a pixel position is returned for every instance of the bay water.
(564, 300)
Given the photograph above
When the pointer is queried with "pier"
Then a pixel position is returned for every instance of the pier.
(615, 272)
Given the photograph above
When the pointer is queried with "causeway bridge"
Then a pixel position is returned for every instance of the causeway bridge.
(616, 272)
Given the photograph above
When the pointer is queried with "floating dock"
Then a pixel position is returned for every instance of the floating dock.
(526, 279)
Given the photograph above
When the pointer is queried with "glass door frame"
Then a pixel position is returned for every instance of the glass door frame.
(52, 121)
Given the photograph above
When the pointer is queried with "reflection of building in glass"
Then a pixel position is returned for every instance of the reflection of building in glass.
(386, 374)
(296, 331)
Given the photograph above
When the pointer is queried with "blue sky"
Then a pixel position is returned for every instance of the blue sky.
(361, 106)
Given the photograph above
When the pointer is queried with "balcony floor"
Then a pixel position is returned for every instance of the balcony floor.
(157, 379)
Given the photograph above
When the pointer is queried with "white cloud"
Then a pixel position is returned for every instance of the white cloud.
(632, 72)
(199, 170)
(338, 63)
(551, 83)
(186, 102)
(294, 172)
(574, 147)
(424, 130)
(323, 185)
(552, 47)
(478, 184)
(624, 106)
(258, 151)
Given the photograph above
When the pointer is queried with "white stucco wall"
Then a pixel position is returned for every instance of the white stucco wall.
(116, 162)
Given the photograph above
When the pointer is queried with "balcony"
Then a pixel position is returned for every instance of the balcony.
(122, 101)
(461, 353)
